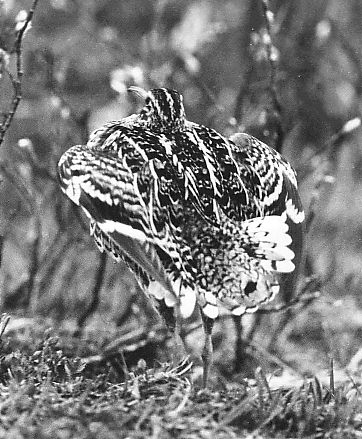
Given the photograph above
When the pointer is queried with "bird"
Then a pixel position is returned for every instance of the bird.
(201, 219)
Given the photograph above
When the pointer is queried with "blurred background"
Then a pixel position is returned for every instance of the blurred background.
(80, 58)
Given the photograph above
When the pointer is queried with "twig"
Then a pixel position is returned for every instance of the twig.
(51, 248)
(16, 79)
(255, 325)
(321, 181)
(331, 377)
(303, 298)
(121, 320)
(205, 89)
(176, 412)
(4, 320)
(2, 240)
(239, 349)
(34, 260)
(129, 341)
(50, 263)
(262, 382)
(210, 95)
(189, 329)
(272, 358)
(19, 38)
(124, 366)
(30, 157)
(95, 293)
(331, 145)
(329, 148)
(300, 299)
(249, 24)
(348, 48)
(81, 121)
(270, 50)
(22, 189)
(18, 184)
(29, 199)
(243, 89)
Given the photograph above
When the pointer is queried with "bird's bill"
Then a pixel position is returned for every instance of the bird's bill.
(139, 91)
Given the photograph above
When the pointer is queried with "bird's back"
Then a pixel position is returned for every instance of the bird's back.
(192, 212)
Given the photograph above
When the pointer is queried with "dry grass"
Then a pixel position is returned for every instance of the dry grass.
(45, 393)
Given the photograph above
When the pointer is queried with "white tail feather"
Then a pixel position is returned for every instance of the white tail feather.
(274, 254)
(269, 240)
(278, 266)
(282, 239)
(208, 303)
(271, 223)
(186, 296)
(157, 290)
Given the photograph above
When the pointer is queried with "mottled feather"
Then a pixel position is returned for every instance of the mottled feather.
(192, 213)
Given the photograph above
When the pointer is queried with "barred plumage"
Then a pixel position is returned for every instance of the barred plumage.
(194, 215)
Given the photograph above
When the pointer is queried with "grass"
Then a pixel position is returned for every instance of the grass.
(48, 391)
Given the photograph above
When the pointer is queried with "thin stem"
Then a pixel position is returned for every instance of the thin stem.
(332, 145)
(96, 291)
(268, 20)
(30, 200)
(16, 80)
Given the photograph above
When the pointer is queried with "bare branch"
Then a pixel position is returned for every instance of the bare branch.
(321, 181)
(34, 261)
(272, 59)
(16, 79)
(271, 357)
(305, 299)
(331, 378)
(19, 185)
(17, 181)
(200, 83)
(4, 320)
(348, 48)
(328, 149)
(331, 145)
(243, 88)
(29, 155)
(19, 38)
(308, 293)
(51, 262)
(96, 291)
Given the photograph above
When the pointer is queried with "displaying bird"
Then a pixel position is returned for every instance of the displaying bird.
(197, 217)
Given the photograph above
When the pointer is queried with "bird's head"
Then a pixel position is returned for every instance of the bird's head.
(163, 111)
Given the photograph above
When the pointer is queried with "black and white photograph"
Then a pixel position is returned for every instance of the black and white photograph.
(180, 219)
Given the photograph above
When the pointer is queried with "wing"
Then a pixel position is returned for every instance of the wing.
(119, 187)
(269, 178)
(240, 264)
(245, 246)
(239, 181)
(232, 178)
(272, 185)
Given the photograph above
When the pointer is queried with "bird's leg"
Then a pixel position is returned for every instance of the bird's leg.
(179, 351)
(239, 344)
(172, 323)
(207, 351)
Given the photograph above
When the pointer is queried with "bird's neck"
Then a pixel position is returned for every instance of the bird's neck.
(165, 123)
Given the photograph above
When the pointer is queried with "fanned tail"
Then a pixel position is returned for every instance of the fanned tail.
(268, 239)
(263, 255)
